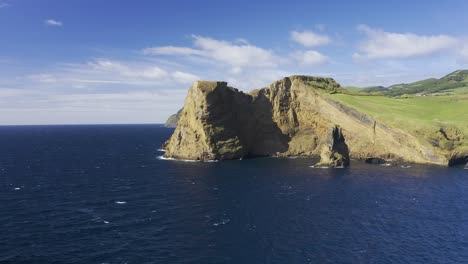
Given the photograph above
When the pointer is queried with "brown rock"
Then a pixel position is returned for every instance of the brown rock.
(335, 152)
(291, 117)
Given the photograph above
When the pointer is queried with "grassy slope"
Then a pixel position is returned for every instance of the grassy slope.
(420, 116)
(455, 80)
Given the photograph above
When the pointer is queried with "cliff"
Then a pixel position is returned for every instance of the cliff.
(291, 117)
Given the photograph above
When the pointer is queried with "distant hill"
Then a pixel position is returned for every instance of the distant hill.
(453, 81)
(173, 119)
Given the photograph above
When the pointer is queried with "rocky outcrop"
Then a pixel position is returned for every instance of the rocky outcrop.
(173, 119)
(291, 117)
(375, 161)
(335, 152)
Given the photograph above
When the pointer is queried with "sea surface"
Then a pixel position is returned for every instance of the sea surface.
(100, 194)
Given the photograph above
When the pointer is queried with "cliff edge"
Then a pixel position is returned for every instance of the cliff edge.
(291, 117)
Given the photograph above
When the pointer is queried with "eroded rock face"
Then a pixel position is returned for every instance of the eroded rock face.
(335, 152)
(291, 117)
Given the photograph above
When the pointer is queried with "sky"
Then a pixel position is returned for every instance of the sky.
(126, 62)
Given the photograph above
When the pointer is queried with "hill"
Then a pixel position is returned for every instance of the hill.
(294, 117)
(448, 84)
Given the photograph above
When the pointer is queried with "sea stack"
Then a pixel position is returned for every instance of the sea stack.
(335, 152)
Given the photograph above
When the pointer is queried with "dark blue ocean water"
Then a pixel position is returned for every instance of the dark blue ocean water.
(98, 194)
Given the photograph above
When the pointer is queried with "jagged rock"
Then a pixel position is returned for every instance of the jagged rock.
(291, 117)
(466, 166)
(375, 161)
(335, 152)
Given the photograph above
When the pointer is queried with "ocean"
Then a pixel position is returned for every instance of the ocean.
(100, 194)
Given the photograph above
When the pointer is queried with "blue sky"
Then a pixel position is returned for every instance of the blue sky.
(90, 62)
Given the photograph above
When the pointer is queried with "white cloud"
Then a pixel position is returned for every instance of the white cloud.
(382, 44)
(171, 50)
(148, 72)
(183, 77)
(237, 55)
(88, 108)
(43, 78)
(10, 92)
(310, 57)
(309, 38)
(240, 55)
(52, 22)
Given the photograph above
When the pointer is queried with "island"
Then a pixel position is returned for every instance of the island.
(424, 122)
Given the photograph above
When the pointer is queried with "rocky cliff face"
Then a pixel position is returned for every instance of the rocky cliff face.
(335, 152)
(291, 117)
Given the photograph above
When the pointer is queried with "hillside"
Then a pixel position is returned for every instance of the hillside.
(448, 84)
(293, 117)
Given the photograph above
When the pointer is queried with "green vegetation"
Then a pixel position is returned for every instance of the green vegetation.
(453, 81)
(442, 120)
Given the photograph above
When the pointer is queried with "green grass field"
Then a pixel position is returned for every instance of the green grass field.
(417, 115)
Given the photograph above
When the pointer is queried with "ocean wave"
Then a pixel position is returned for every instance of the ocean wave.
(183, 160)
(161, 150)
(386, 164)
(325, 167)
(120, 202)
(223, 222)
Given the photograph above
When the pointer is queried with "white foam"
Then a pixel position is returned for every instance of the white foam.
(319, 167)
(184, 160)
(17, 189)
(386, 164)
(106, 222)
(223, 222)
(162, 150)
(120, 202)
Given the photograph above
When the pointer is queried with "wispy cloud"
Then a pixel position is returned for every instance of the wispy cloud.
(52, 22)
(4, 4)
(310, 57)
(237, 55)
(171, 50)
(309, 38)
(381, 44)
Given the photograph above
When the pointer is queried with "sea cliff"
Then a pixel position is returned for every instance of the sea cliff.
(291, 117)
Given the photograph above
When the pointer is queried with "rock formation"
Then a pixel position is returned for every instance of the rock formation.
(173, 119)
(335, 152)
(291, 117)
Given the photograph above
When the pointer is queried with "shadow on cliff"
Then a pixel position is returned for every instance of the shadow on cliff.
(268, 139)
